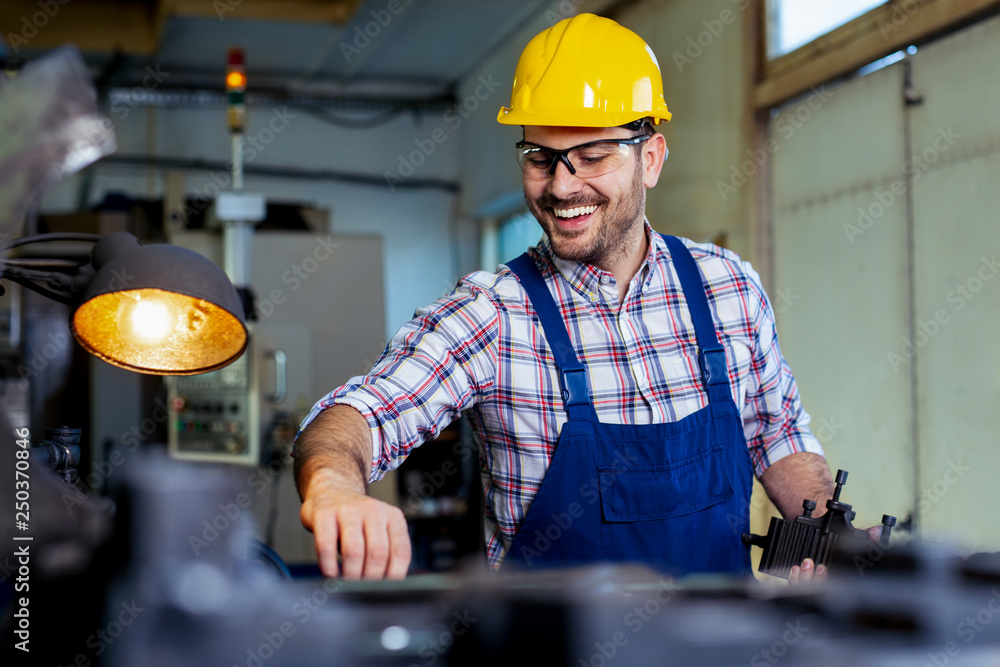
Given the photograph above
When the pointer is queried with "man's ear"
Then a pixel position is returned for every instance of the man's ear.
(654, 152)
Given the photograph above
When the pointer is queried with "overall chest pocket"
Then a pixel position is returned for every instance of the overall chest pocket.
(647, 493)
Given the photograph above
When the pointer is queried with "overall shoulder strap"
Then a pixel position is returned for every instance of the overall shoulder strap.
(711, 356)
(572, 373)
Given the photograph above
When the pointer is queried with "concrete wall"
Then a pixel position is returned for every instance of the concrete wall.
(700, 46)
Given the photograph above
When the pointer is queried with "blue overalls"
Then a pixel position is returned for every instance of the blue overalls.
(675, 496)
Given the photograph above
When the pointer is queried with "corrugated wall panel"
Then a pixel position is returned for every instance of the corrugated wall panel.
(840, 280)
(956, 139)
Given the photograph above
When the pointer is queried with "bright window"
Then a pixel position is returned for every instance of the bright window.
(794, 23)
(517, 234)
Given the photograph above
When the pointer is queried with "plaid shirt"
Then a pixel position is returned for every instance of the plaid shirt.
(481, 348)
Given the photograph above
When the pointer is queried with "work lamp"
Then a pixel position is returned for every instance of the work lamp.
(157, 309)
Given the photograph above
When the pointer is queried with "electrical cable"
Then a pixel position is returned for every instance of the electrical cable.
(42, 238)
(48, 263)
(365, 124)
(273, 445)
(272, 512)
(26, 283)
(28, 273)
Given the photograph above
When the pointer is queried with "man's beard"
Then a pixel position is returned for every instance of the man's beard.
(613, 236)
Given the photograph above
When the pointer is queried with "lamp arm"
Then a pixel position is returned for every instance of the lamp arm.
(25, 272)
(23, 262)
(9, 271)
(34, 287)
(42, 238)
(57, 280)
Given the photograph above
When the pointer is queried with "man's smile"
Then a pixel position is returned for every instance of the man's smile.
(574, 212)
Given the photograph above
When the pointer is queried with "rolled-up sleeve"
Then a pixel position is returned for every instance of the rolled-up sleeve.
(440, 363)
(774, 421)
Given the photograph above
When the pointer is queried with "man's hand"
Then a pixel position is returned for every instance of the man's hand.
(369, 534)
(809, 572)
(332, 460)
(806, 572)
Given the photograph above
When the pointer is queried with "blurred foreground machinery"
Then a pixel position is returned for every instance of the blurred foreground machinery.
(180, 581)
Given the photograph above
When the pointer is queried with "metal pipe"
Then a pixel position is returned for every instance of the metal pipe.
(191, 164)
(237, 234)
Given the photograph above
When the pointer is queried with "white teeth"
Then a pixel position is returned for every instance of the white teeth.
(573, 212)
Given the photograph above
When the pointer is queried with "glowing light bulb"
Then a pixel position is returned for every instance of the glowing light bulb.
(151, 322)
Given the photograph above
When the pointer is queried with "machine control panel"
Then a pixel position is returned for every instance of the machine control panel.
(211, 415)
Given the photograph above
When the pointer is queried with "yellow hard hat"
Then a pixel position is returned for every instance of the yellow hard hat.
(586, 71)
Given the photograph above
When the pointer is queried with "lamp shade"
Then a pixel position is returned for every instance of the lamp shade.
(158, 309)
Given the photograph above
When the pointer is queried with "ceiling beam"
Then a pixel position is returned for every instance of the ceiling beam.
(135, 28)
(103, 26)
(297, 11)
(886, 29)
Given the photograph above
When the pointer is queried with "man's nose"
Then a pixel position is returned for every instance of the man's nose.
(563, 182)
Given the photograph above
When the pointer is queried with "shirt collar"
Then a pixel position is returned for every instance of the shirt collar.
(586, 278)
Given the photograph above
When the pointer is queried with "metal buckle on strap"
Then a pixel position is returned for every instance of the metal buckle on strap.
(713, 366)
(574, 387)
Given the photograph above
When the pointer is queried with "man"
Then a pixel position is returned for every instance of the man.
(625, 387)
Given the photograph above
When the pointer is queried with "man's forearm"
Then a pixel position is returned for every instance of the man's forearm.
(796, 477)
(336, 446)
(357, 536)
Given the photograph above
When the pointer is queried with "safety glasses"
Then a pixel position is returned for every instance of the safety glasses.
(594, 158)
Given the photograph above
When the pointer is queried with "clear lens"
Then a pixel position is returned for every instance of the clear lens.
(535, 162)
(599, 158)
(595, 158)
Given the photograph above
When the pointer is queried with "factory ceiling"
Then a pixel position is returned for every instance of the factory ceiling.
(307, 47)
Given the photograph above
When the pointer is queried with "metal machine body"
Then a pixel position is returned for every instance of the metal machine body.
(60, 452)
